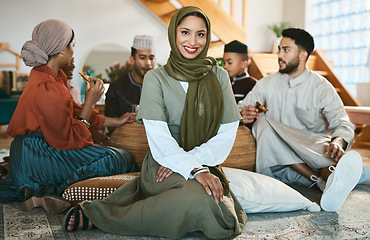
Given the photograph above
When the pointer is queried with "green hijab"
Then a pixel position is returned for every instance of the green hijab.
(204, 102)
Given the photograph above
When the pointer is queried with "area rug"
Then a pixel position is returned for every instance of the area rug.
(352, 221)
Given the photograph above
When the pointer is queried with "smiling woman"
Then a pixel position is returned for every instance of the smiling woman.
(191, 36)
(190, 119)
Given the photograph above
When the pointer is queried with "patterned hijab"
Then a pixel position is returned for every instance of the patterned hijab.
(204, 103)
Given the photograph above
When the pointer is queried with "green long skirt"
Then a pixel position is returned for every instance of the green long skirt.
(170, 208)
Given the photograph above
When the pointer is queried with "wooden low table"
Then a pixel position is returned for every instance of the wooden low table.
(358, 114)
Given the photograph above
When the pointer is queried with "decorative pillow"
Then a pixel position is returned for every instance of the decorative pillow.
(96, 188)
(261, 193)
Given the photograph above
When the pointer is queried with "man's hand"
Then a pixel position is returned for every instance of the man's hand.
(335, 149)
(163, 173)
(249, 114)
(126, 118)
(211, 184)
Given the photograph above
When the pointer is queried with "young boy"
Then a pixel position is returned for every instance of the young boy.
(236, 61)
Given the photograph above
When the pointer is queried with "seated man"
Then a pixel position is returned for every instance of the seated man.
(236, 61)
(306, 130)
(125, 92)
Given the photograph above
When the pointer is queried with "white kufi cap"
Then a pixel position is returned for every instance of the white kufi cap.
(143, 42)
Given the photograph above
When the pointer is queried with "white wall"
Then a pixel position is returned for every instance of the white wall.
(262, 13)
(294, 12)
(94, 21)
(363, 96)
(117, 21)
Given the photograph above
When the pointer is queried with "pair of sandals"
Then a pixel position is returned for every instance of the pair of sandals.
(78, 214)
(54, 204)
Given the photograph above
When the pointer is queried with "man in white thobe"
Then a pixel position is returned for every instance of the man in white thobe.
(305, 132)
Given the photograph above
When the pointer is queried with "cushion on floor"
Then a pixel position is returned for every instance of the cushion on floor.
(96, 188)
(261, 193)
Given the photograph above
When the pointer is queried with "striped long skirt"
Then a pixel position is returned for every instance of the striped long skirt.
(48, 171)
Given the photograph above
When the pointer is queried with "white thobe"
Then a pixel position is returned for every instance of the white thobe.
(304, 114)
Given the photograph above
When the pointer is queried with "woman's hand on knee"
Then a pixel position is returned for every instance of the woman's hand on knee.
(211, 184)
(163, 173)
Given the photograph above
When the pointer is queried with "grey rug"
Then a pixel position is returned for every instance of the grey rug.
(352, 221)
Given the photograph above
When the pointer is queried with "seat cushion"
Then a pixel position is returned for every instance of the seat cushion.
(96, 188)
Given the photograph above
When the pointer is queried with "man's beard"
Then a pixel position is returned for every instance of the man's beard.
(138, 71)
(290, 67)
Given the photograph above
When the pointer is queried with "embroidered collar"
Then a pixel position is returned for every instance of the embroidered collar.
(240, 77)
(133, 81)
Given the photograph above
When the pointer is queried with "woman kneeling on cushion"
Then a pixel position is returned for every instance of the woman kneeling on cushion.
(52, 146)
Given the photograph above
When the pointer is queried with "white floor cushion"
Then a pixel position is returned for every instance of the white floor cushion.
(260, 193)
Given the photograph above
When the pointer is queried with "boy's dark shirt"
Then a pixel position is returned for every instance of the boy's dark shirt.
(242, 85)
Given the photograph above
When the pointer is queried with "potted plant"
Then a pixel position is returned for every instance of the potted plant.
(118, 70)
(278, 28)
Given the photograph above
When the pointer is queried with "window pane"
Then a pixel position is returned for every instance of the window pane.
(342, 28)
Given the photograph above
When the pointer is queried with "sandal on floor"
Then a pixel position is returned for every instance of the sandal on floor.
(76, 211)
(51, 204)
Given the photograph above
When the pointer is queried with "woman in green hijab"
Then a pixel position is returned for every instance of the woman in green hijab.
(191, 119)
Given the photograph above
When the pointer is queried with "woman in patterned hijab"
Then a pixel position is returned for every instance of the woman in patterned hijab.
(52, 146)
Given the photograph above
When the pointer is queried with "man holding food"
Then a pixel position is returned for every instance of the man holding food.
(303, 136)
